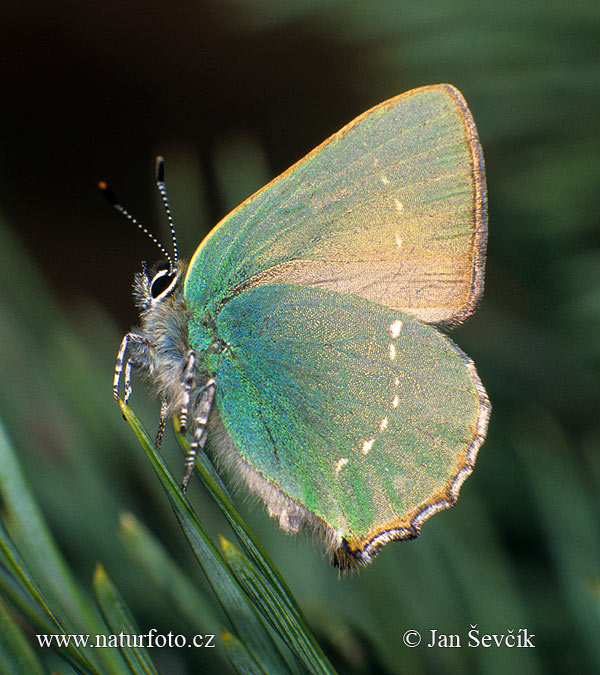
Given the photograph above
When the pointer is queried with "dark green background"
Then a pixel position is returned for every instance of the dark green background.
(232, 93)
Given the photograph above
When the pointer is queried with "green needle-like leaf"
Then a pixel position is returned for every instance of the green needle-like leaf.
(18, 568)
(121, 623)
(240, 611)
(263, 567)
(152, 559)
(41, 565)
(239, 657)
(274, 610)
(16, 655)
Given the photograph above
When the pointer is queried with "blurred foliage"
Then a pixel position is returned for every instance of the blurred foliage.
(231, 93)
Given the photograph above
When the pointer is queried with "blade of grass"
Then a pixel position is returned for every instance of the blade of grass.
(18, 597)
(153, 560)
(36, 544)
(39, 621)
(20, 571)
(30, 532)
(121, 622)
(271, 577)
(16, 655)
(239, 657)
(273, 609)
(243, 616)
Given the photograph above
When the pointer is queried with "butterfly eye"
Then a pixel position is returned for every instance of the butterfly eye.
(162, 284)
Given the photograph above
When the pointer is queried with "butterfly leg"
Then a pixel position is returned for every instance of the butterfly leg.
(201, 413)
(164, 408)
(128, 388)
(188, 384)
(145, 350)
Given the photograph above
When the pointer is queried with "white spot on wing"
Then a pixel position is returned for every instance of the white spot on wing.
(399, 242)
(367, 445)
(385, 180)
(395, 328)
(341, 464)
(399, 205)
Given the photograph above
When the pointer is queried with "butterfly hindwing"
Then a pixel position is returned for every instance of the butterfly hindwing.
(359, 413)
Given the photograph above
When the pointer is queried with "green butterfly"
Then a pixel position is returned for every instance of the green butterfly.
(301, 341)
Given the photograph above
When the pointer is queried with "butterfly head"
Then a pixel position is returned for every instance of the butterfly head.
(154, 284)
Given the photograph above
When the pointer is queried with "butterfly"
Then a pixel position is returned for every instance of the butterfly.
(301, 344)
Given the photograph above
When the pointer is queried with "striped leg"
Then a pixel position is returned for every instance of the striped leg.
(128, 388)
(201, 413)
(188, 384)
(129, 338)
(164, 407)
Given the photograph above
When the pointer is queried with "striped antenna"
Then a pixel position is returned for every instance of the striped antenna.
(115, 203)
(160, 184)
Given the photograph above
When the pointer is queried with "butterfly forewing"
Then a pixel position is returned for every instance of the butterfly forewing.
(391, 209)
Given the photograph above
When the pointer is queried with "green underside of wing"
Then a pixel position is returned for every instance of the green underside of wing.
(389, 209)
(358, 412)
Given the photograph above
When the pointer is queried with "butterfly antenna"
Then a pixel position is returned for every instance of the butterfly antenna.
(160, 184)
(115, 203)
